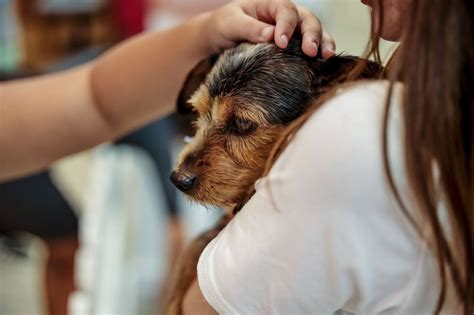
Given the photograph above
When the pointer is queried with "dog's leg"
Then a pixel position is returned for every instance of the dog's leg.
(185, 272)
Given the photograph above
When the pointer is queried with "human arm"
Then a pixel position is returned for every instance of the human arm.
(184, 273)
(195, 303)
(45, 118)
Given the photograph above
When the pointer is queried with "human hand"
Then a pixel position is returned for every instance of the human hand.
(262, 21)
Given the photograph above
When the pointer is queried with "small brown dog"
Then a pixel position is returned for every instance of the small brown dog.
(252, 93)
(248, 98)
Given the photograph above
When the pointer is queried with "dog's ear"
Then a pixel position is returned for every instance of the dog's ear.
(195, 78)
(334, 70)
(338, 69)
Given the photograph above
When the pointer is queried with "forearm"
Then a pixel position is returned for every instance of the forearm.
(185, 272)
(125, 86)
(43, 118)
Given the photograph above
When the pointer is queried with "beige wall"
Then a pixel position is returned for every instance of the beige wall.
(348, 21)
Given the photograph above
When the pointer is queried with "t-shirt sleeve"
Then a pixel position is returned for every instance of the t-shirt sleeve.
(305, 242)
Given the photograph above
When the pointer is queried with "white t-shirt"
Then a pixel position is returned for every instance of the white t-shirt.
(323, 232)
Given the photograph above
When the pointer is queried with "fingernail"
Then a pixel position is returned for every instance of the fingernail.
(328, 51)
(284, 40)
(315, 48)
(331, 49)
(267, 31)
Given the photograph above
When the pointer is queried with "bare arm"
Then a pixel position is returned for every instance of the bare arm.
(43, 119)
(195, 303)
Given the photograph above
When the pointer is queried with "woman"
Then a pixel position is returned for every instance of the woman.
(368, 209)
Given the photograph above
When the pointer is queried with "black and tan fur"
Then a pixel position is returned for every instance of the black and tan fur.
(251, 94)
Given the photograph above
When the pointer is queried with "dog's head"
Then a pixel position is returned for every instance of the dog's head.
(247, 99)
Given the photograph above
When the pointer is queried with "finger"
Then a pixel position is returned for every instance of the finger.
(286, 18)
(328, 46)
(252, 30)
(311, 30)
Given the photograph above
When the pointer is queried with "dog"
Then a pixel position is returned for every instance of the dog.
(248, 98)
(243, 100)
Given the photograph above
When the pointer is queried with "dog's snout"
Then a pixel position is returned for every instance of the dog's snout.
(184, 181)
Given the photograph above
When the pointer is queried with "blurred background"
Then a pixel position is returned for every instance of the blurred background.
(99, 232)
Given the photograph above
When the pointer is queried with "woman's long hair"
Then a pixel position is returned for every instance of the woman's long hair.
(435, 63)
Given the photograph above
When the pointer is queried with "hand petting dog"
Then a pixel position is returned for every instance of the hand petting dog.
(263, 21)
(134, 83)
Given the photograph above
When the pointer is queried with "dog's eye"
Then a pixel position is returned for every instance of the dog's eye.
(241, 126)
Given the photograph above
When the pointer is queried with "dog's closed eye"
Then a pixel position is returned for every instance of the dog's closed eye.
(241, 126)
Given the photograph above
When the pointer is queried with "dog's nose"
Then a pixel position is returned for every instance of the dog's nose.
(184, 181)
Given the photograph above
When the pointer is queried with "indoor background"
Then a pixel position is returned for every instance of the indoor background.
(124, 254)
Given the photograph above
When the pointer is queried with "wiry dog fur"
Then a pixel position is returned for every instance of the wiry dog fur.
(252, 93)
(248, 98)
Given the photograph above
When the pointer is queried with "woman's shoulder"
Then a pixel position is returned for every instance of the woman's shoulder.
(367, 88)
(360, 102)
(340, 150)
(332, 174)
(351, 120)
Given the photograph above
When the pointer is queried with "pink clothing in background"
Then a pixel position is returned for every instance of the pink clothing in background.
(130, 16)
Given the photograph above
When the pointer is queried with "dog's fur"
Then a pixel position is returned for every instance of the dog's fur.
(246, 101)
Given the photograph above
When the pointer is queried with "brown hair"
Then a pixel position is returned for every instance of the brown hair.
(435, 62)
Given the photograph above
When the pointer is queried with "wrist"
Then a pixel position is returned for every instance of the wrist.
(201, 35)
